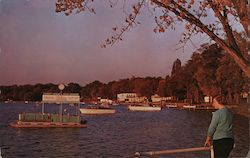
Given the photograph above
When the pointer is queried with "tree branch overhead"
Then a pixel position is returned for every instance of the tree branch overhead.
(192, 12)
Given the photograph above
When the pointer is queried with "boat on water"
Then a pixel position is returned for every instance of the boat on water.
(202, 107)
(189, 106)
(171, 106)
(143, 108)
(96, 110)
(45, 120)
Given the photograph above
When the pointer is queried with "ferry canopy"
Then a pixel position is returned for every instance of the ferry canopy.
(61, 98)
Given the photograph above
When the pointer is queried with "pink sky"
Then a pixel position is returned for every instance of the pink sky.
(41, 46)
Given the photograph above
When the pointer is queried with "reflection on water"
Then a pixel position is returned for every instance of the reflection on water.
(118, 135)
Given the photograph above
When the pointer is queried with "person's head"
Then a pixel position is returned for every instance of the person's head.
(217, 102)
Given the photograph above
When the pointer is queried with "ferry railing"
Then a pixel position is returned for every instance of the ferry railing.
(174, 151)
(47, 117)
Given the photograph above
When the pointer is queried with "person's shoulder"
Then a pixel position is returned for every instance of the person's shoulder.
(219, 111)
(229, 111)
(225, 110)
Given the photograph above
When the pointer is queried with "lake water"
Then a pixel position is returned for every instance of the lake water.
(114, 136)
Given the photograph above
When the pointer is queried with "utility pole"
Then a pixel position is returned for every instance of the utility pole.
(61, 88)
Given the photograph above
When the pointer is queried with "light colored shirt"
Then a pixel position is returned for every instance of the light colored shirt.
(221, 125)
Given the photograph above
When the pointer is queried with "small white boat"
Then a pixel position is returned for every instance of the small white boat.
(171, 106)
(189, 106)
(96, 110)
(143, 108)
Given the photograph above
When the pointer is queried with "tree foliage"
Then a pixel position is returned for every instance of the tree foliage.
(209, 72)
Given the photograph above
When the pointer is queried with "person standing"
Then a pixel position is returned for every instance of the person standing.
(220, 131)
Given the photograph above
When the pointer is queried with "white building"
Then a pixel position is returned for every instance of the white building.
(138, 100)
(157, 98)
(208, 99)
(106, 101)
(130, 97)
(123, 97)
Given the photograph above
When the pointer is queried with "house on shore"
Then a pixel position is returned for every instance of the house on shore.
(130, 98)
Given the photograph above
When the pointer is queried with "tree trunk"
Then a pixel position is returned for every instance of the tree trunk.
(237, 98)
(243, 64)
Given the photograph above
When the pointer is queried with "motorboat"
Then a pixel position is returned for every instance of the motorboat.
(189, 106)
(96, 110)
(143, 108)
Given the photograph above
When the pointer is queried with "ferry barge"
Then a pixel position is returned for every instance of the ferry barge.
(40, 120)
(45, 120)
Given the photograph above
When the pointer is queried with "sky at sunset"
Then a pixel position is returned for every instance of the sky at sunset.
(38, 45)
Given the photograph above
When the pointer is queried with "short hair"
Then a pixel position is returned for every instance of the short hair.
(219, 99)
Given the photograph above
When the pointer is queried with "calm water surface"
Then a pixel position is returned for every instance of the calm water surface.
(114, 136)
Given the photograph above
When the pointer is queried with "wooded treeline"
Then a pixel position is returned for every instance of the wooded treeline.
(209, 72)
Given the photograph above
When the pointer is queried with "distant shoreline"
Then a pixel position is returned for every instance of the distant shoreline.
(238, 109)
